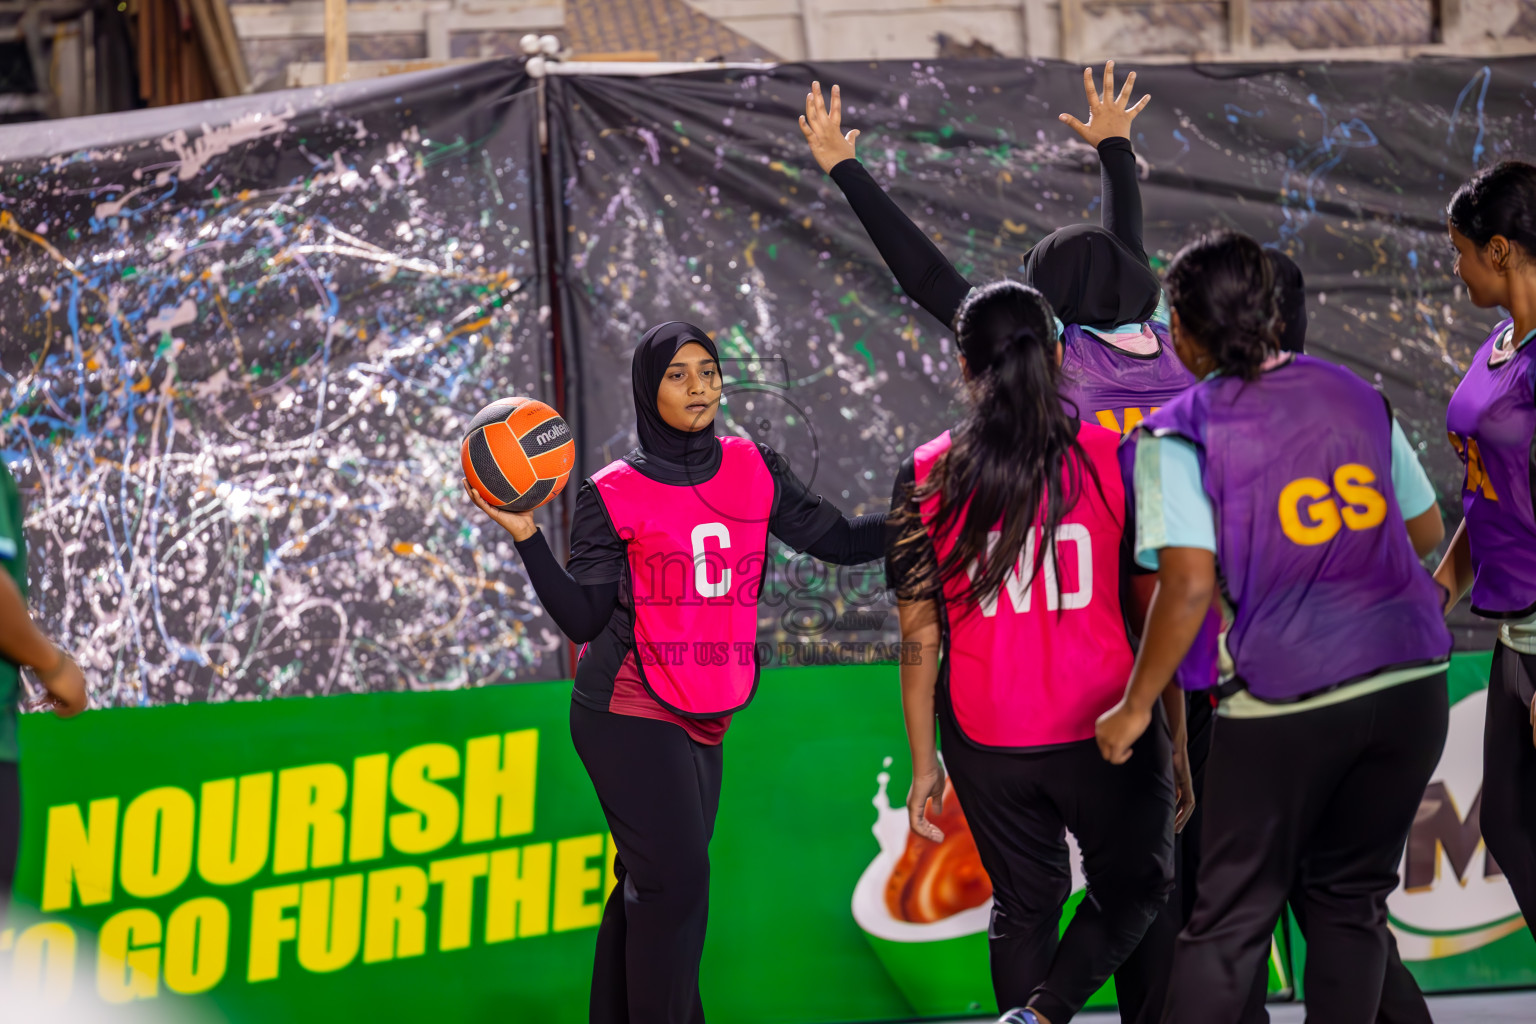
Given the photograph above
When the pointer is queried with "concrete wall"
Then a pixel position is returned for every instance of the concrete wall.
(277, 33)
(854, 29)
(878, 29)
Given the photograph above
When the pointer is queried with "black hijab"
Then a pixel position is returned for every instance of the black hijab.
(1091, 278)
(1291, 297)
(693, 451)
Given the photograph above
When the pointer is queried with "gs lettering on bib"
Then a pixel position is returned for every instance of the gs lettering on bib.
(1492, 423)
(1314, 555)
(695, 555)
(1313, 512)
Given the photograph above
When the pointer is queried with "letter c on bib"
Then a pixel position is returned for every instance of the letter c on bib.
(1323, 512)
(701, 581)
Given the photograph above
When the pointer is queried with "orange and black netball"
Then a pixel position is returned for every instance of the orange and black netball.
(517, 454)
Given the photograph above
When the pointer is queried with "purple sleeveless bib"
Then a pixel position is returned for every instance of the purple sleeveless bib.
(1314, 557)
(1116, 389)
(1492, 422)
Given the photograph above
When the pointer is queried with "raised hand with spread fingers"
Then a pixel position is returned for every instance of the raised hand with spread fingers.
(1109, 116)
(822, 126)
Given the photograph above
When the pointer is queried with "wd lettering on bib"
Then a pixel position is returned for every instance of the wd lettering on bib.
(695, 555)
(1020, 587)
(1314, 555)
(1026, 669)
(1491, 420)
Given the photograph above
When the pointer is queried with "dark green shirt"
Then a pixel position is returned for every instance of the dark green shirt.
(13, 555)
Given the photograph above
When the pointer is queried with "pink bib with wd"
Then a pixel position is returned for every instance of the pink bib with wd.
(1037, 663)
(696, 554)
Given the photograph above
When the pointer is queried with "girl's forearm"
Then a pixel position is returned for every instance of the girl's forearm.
(1186, 586)
(918, 683)
(919, 676)
(1455, 573)
(1173, 707)
(923, 271)
(21, 641)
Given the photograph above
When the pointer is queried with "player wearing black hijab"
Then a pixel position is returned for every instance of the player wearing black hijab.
(649, 729)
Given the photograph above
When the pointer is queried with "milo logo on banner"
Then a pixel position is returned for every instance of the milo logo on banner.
(1452, 898)
(306, 869)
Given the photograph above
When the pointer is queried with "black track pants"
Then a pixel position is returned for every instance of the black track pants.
(1509, 774)
(1334, 789)
(1019, 806)
(660, 791)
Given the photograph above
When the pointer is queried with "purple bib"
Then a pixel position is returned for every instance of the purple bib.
(1314, 557)
(1492, 422)
(1116, 389)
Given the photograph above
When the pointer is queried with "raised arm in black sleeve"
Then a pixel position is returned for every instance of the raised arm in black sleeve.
(908, 561)
(581, 596)
(808, 522)
(1121, 212)
(920, 268)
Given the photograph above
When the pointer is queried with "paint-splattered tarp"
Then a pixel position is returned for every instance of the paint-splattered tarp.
(238, 345)
(694, 197)
(241, 338)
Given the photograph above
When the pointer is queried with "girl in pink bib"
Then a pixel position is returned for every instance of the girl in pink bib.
(668, 548)
(1010, 560)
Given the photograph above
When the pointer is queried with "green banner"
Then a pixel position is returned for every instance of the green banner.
(442, 855)
(1454, 915)
(381, 856)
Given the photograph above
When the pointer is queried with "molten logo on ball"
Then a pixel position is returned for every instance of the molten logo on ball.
(517, 454)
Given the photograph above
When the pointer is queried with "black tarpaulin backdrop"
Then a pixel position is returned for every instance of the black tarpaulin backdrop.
(239, 343)
(694, 197)
(243, 336)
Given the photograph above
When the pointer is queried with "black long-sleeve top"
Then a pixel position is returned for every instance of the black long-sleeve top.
(927, 276)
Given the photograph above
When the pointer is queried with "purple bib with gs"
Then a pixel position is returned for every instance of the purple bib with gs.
(1314, 557)
(1492, 420)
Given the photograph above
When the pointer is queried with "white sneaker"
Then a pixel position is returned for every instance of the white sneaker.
(1021, 1015)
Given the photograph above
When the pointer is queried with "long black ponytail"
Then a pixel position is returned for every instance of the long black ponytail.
(1015, 459)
